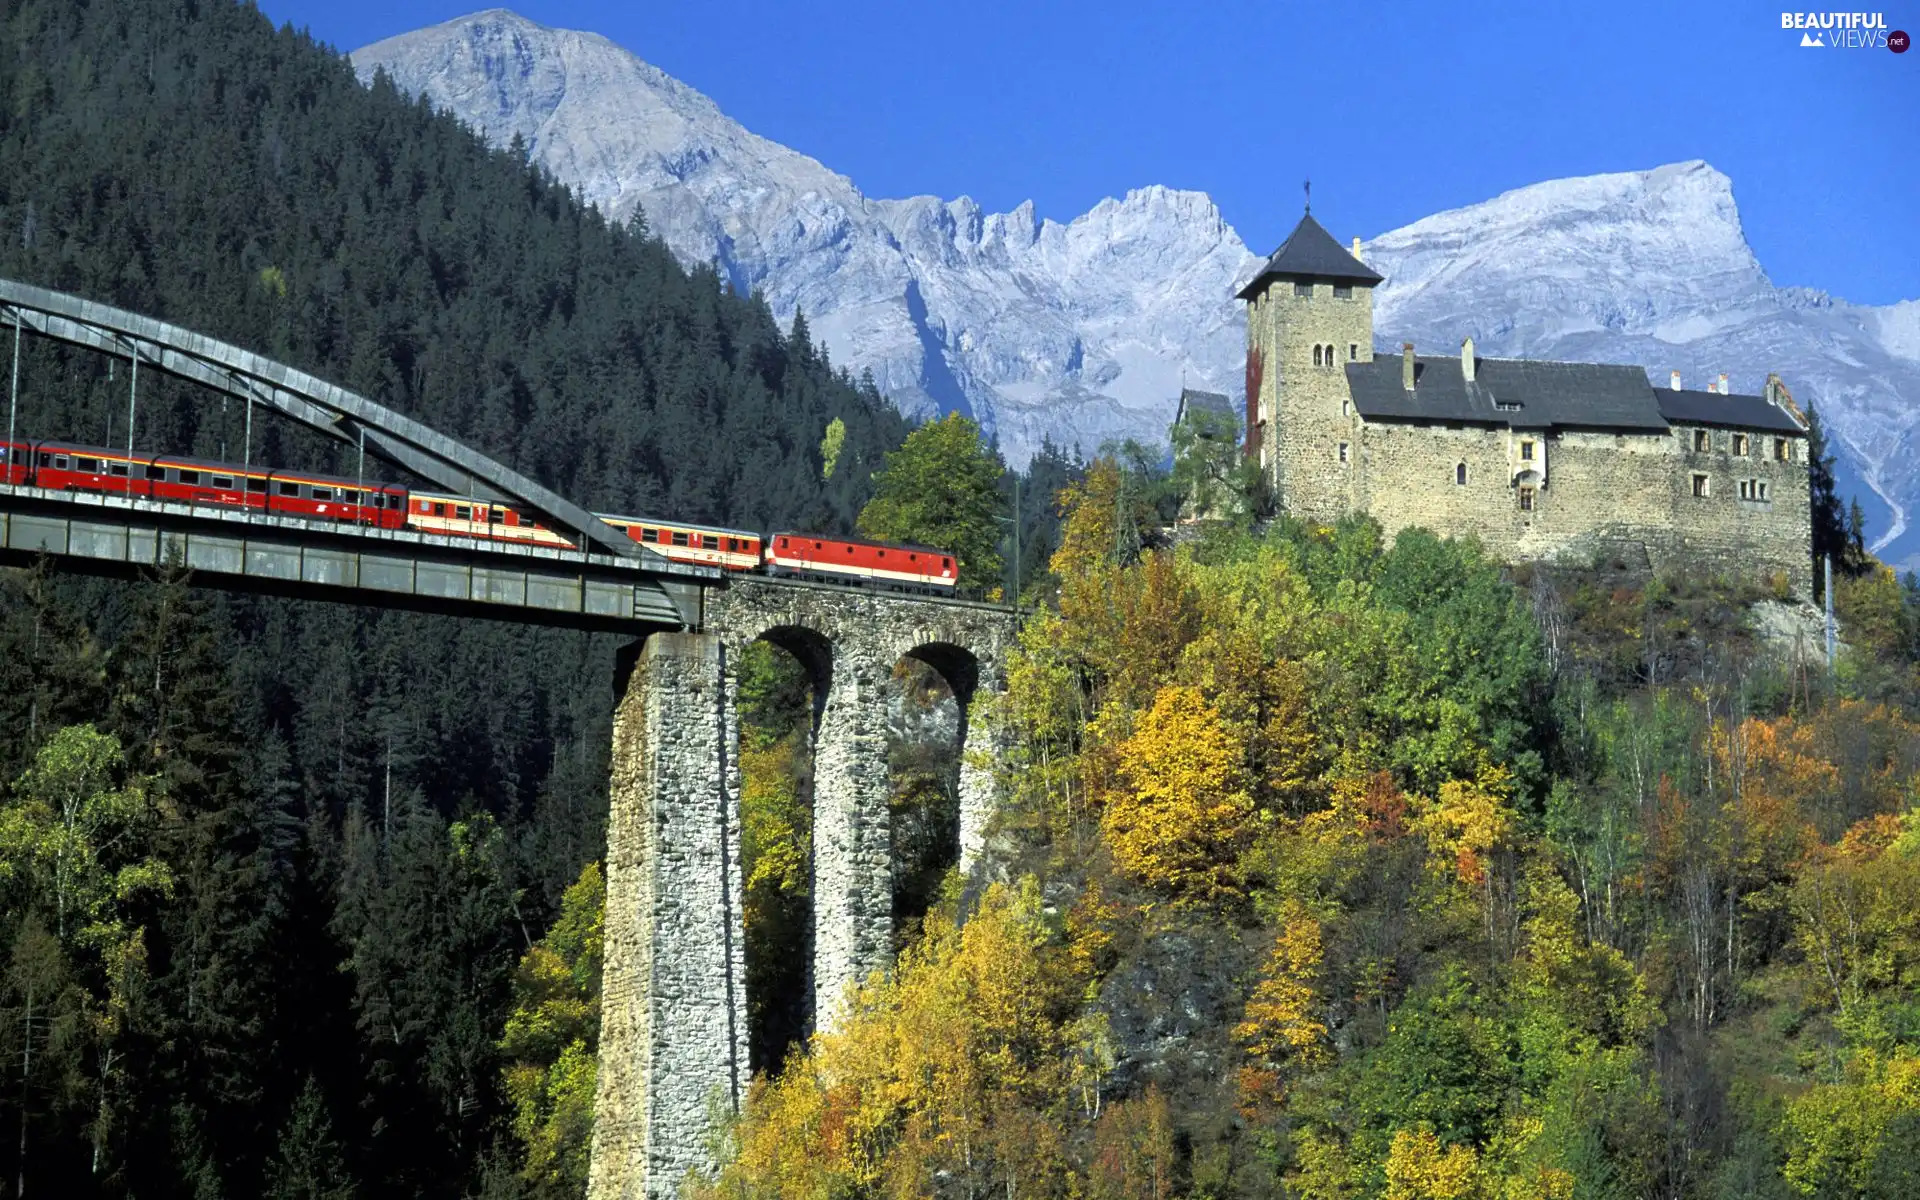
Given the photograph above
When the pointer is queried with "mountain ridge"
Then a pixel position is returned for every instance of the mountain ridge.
(1085, 330)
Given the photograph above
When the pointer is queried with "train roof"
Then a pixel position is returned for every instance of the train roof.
(673, 524)
(858, 541)
(95, 451)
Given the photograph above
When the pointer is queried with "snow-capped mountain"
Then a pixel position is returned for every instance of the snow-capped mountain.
(1080, 331)
(1086, 331)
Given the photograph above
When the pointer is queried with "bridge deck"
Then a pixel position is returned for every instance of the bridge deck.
(403, 568)
(389, 567)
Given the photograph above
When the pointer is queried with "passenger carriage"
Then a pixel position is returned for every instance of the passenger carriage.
(463, 516)
(707, 545)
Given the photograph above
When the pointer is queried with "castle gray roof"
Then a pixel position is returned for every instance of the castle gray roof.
(1525, 394)
(1194, 400)
(1310, 253)
(1688, 407)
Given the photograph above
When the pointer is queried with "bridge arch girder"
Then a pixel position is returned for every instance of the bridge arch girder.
(328, 408)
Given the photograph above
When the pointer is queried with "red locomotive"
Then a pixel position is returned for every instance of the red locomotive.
(72, 467)
(878, 564)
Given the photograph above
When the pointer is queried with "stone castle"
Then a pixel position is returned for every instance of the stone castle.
(1539, 460)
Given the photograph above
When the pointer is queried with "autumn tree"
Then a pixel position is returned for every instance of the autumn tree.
(552, 1041)
(1184, 814)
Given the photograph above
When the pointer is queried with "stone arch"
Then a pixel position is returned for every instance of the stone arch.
(778, 928)
(971, 671)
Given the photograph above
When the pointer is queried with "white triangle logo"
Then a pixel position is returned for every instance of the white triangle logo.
(1812, 39)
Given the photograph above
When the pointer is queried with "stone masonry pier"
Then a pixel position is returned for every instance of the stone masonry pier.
(673, 1039)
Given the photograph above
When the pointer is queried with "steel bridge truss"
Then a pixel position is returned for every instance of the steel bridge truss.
(334, 411)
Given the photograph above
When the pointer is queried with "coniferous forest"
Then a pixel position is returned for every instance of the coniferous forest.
(1330, 866)
(350, 824)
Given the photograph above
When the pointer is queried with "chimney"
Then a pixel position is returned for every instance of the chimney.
(1356, 247)
(1466, 358)
(1406, 365)
(1773, 389)
(1675, 385)
(1723, 383)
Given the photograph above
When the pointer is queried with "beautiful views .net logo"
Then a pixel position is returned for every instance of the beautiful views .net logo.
(1845, 31)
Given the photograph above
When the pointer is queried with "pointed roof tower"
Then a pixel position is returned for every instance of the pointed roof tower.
(1310, 253)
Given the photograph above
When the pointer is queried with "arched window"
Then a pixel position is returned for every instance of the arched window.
(1316, 356)
(1460, 475)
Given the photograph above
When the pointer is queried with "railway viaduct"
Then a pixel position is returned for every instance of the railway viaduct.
(673, 1040)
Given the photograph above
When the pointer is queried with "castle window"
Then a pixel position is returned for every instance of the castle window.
(1746, 489)
(1343, 291)
(1700, 443)
(1526, 451)
(1760, 487)
(1316, 356)
(1740, 444)
(1346, 408)
(1303, 289)
(1526, 499)
(1460, 475)
(1353, 351)
(1782, 450)
(1700, 487)
(1343, 452)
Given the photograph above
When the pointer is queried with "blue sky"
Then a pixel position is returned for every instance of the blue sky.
(1395, 110)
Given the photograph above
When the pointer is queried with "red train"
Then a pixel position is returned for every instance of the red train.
(71, 467)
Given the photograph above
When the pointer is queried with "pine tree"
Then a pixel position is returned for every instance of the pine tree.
(1830, 540)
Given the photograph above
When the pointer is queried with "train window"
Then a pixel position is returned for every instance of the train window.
(710, 542)
(187, 476)
(222, 481)
(45, 458)
(321, 493)
(117, 468)
(883, 554)
(289, 488)
(60, 461)
(648, 535)
(496, 516)
(90, 465)
(911, 557)
(462, 512)
(3, 454)
(256, 484)
(440, 510)
(946, 562)
(849, 549)
(679, 539)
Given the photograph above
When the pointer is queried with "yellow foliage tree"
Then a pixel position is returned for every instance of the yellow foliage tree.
(957, 1068)
(551, 1041)
(1184, 816)
(1468, 821)
(1836, 1132)
(1282, 1023)
(1420, 1168)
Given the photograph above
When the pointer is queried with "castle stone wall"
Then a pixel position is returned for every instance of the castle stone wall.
(1627, 495)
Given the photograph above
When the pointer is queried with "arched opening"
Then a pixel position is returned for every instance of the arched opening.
(926, 741)
(1316, 356)
(781, 679)
(1460, 475)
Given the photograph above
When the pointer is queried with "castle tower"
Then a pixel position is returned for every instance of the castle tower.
(1309, 313)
